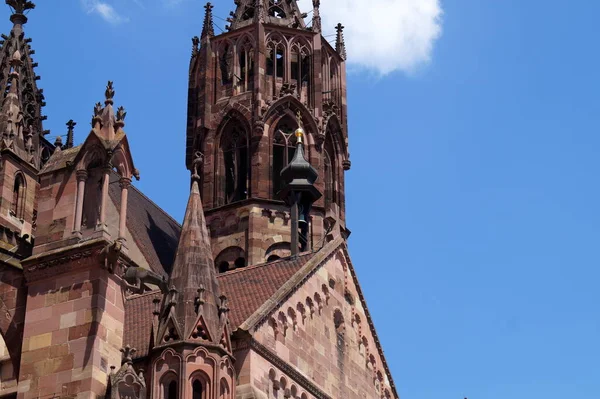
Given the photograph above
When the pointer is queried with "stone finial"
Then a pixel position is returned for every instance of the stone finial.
(340, 45)
(109, 93)
(70, 133)
(208, 29)
(195, 45)
(121, 114)
(316, 21)
(18, 10)
(58, 143)
(128, 352)
(196, 164)
(223, 307)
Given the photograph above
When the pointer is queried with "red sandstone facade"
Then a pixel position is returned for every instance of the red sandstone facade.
(102, 294)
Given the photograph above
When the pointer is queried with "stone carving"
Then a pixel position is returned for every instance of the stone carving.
(136, 277)
(111, 254)
(126, 383)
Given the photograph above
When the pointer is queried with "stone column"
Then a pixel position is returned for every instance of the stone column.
(125, 183)
(104, 199)
(81, 178)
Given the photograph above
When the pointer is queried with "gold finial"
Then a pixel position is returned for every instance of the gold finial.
(299, 132)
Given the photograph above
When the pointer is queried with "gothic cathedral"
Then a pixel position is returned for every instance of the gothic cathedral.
(104, 295)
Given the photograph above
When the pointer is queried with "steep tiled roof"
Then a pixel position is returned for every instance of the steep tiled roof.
(59, 159)
(153, 230)
(247, 290)
(138, 322)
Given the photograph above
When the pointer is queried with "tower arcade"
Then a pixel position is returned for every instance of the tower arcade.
(246, 87)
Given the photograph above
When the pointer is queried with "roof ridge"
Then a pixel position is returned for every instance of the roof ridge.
(258, 265)
(136, 296)
(291, 283)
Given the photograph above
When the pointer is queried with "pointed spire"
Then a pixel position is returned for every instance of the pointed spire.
(208, 29)
(70, 133)
(18, 8)
(193, 274)
(340, 46)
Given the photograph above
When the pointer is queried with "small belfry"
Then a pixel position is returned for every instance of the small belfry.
(250, 89)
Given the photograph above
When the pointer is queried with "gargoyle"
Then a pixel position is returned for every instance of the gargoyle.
(110, 254)
(136, 277)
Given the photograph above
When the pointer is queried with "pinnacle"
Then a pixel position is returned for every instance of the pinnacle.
(208, 28)
(19, 7)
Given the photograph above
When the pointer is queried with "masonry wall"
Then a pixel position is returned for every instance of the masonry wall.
(322, 332)
(74, 327)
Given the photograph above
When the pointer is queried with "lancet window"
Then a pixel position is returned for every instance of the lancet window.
(246, 65)
(300, 70)
(19, 190)
(276, 65)
(234, 169)
(284, 144)
(92, 196)
(197, 390)
(330, 169)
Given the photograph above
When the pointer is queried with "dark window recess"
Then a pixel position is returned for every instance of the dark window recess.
(240, 262)
(273, 258)
(223, 267)
(172, 390)
(280, 62)
(197, 390)
(270, 63)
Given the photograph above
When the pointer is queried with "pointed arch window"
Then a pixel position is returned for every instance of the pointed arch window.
(197, 390)
(330, 168)
(170, 390)
(19, 191)
(276, 65)
(246, 65)
(284, 145)
(235, 166)
(300, 71)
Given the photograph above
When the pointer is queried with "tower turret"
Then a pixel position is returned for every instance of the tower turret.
(193, 321)
(247, 88)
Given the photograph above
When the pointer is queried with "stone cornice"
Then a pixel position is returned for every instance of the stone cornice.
(282, 365)
(79, 256)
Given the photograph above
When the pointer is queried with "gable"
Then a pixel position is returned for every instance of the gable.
(323, 328)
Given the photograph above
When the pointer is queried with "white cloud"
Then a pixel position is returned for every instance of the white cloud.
(105, 10)
(385, 35)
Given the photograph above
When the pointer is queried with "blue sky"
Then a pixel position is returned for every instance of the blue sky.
(473, 196)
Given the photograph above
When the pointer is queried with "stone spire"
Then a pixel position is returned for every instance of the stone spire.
(70, 134)
(194, 307)
(340, 46)
(316, 21)
(21, 100)
(208, 29)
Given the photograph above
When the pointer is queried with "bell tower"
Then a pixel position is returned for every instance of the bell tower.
(250, 89)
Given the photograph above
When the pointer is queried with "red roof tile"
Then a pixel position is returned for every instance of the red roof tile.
(138, 322)
(247, 290)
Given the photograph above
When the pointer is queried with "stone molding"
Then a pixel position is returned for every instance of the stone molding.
(287, 369)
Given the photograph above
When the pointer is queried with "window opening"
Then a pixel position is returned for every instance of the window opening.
(240, 262)
(284, 146)
(18, 197)
(171, 390)
(197, 390)
(223, 267)
(235, 156)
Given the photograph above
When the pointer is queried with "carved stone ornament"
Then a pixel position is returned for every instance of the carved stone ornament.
(126, 383)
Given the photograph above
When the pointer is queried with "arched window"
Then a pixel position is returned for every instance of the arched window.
(235, 167)
(230, 258)
(276, 66)
(240, 262)
(171, 390)
(197, 390)
(92, 196)
(329, 191)
(246, 64)
(19, 191)
(284, 145)
(224, 391)
(300, 71)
